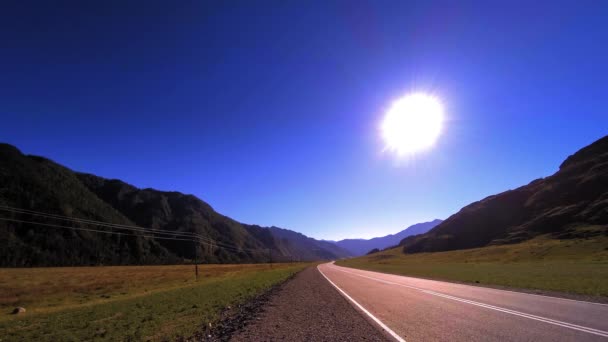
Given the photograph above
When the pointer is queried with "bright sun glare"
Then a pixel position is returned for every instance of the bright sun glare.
(412, 124)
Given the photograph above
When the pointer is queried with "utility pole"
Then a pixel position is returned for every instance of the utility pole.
(270, 256)
(195, 259)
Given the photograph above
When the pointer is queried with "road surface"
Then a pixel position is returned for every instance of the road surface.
(413, 309)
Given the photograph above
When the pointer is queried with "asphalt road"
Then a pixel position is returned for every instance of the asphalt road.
(414, 309)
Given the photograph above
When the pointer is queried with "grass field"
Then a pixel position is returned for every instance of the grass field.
(131, 303)
(577, 266)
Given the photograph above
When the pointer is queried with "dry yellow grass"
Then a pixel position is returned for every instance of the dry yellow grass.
(125, 302)
(55, 288)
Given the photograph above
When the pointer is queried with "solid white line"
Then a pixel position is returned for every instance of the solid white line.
(522, 314)
(534, 294)
(495, 289)
(374, 318)
(488, 306)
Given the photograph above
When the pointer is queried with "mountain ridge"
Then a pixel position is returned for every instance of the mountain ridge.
(360, 247)
(573, 202)
(39, 184)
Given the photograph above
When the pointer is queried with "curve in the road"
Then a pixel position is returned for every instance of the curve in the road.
(460, 299)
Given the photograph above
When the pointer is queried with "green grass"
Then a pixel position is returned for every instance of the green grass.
(131, 303)
(578, 266)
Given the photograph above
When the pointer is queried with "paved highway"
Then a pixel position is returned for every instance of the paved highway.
(414, 309)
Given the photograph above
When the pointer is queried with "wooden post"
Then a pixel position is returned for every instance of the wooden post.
(195, 259)
(270, 256)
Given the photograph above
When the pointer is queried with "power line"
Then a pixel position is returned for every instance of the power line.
(182, 236)
(104, 231)
(75, 219)
(132, 228)
(91, 230)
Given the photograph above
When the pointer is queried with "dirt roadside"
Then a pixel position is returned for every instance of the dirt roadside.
(305, 308)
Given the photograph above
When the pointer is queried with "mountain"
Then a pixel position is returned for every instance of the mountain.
(36, 189)
(36, 183)
(358, 247)
(573, 202)
(294, 243)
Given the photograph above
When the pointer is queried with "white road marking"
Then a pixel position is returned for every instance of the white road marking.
(503, 290)
(374, 318)
(538, 295)
(487, 306)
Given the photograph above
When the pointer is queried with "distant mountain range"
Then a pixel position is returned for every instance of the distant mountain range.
(43, 208)
(358, 247)
(50, 194)
(572, 203)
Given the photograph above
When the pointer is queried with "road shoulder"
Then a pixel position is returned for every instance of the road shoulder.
(308, 308)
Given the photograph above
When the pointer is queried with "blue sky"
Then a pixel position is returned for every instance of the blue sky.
(270, 110)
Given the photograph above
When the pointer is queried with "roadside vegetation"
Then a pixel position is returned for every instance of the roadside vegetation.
(126, 302)
(578, 266)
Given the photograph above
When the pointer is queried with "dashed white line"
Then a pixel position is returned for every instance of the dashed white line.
(487, 306)
(364, 310)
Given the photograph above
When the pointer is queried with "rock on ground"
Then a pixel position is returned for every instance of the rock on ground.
(18, 310)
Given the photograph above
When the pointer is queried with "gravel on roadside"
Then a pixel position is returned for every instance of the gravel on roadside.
(308, 308)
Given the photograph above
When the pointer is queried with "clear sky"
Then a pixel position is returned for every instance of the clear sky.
(270, 110)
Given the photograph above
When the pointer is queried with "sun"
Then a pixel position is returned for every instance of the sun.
(412, 124)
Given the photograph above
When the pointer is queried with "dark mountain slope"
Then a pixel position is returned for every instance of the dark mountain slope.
(36, 183)
(174, 211)
(39, 184)
(360, 247)
(571, 203)
(293, 243)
